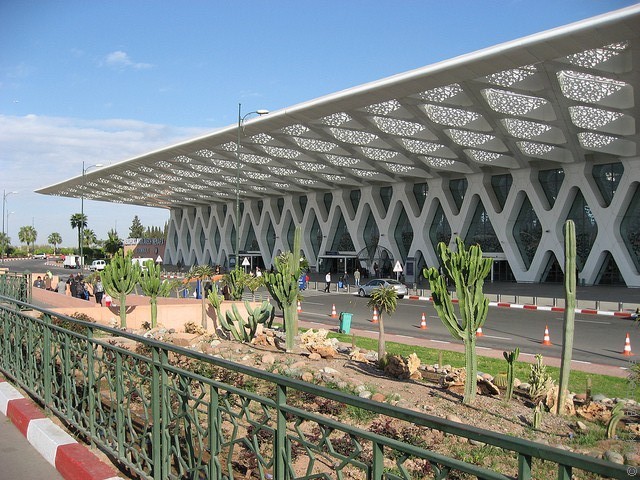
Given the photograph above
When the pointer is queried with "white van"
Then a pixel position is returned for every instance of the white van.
(97, 265)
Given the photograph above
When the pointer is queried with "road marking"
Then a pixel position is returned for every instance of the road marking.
(529, 354)
(482, 348)
(581, 361)
(439, 341)
(403, 336)
(495, 336)
(593, 321)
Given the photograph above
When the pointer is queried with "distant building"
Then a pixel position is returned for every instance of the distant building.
(146, 248)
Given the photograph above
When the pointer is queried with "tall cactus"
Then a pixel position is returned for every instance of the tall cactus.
(467, 269)
(283, 286)
(120, 277)
(153, 287)
(569, 311)
(511, 358)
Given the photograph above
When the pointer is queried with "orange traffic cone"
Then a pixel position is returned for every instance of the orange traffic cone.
(423, 322)
(375, 316)
(546, 340)
(479, 332)
(627, 347)
(299, 306)
(334, 314)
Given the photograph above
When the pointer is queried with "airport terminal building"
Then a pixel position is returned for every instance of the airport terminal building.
(499, 147)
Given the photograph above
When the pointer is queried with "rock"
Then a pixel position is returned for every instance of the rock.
(632, 459)
(454, 418)
(268, 359)
(523, 387)
(307, 377)
(580, 397)
(476, 443)
(594, 412)
(315, 357)
(598, 397)
(516, 382)
(581, 426)
(378, 397)
(329, 371)
(486, 387)
(365, 394)
(613, 456)
(487, 376)
(298, 365)
(396, 367)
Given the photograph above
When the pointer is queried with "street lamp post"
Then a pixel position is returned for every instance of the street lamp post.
(241, 120)
(84, 170)
(5, 194)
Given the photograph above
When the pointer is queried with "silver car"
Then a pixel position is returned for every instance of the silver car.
(366, 289)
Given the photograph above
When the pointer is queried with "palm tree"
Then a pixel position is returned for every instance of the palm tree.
(113, 243)
(5, 242)
(385, 299)
(153, 287)
(89, 237)
(201, 273)
(54, 239)
(79, 221)
(27, 235)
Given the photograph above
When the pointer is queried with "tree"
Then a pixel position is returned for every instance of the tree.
(89, 237)
(54, 239)
(569, 311)
(120, 277)
(27, 235)
(153, 287)
(113, 243)
(200, 273)
(136, 230)
(467, 270)
(79, 221)
(385, 299)
(5, 242)
(155, 232)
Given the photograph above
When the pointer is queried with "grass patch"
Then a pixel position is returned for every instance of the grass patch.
(604, 384)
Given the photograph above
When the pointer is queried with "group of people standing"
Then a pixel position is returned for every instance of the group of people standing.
(77, 287)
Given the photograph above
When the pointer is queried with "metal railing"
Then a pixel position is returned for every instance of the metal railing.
(165, 412)
(16, 285)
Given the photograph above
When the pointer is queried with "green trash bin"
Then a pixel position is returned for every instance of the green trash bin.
(345, 322)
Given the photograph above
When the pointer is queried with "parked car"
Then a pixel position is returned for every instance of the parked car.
(40, 256)
(97, 265)
(366, 289)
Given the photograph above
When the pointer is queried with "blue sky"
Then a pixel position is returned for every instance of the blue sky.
(102, 81)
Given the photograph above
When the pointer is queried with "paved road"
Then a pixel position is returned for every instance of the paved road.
(598, 339)
(18, 459)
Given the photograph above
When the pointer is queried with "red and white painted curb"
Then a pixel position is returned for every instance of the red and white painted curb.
(539, 307)
(71, 459)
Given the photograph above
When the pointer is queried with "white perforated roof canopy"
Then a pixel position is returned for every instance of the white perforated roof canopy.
(550, 99)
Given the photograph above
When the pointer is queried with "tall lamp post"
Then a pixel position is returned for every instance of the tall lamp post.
(5, 194)
(241, 120)
(84, 170)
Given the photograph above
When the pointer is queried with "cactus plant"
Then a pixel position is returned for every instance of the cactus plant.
(120, 277)
(467, 269)
(283, 286)
(244, 329)
(201, 273)
(537, 416)
(510, 357)
(569, 311)
(235, 280)
(153, 286)
(616, 415)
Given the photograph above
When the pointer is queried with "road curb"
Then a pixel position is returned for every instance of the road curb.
(73, 460)
(525, 306)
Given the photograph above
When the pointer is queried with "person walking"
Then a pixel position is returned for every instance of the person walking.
(98, 290)
(356, 277)
(327, 280)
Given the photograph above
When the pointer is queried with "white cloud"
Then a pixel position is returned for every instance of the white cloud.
(121, 60)
(38, 151)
